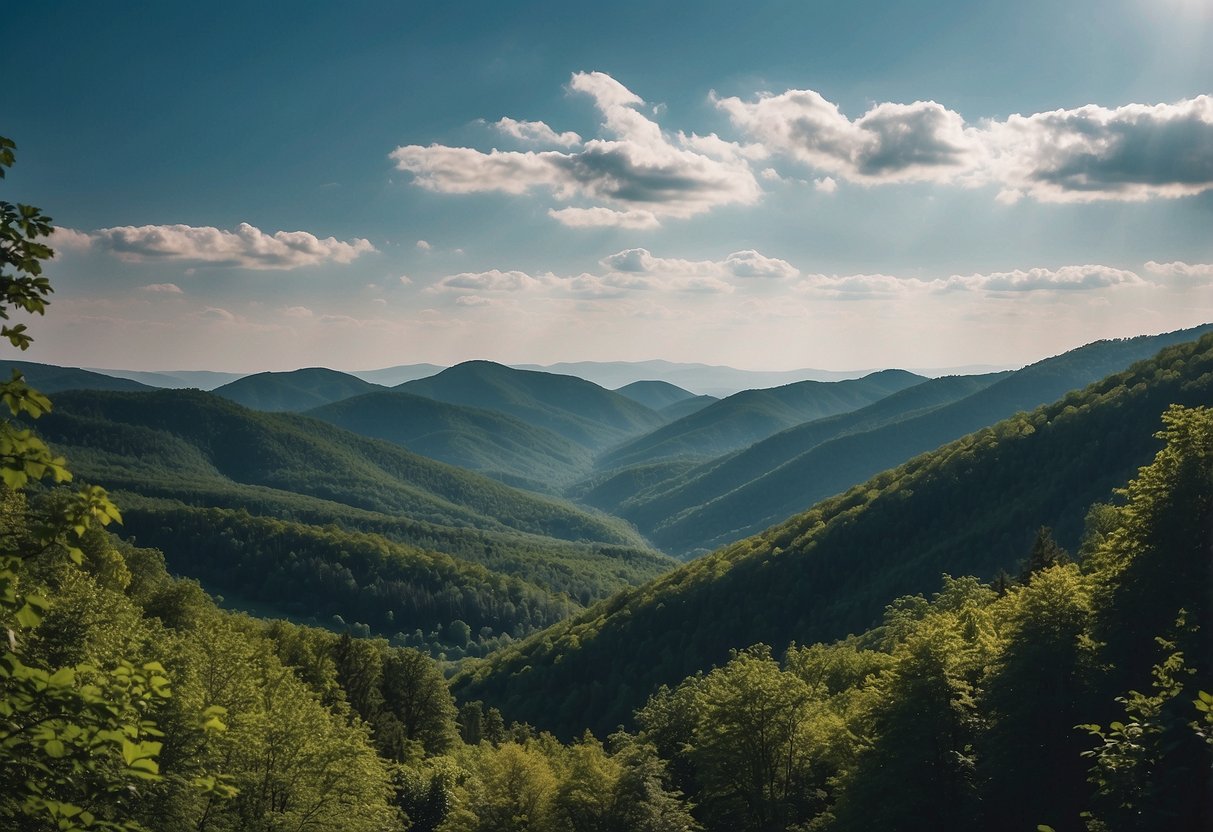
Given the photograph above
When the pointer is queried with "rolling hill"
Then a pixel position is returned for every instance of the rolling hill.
(837, 463)
(753, 415)
(49, 378)
(296, 390)
(492, 443)
(970, 507)
(576, 409)
(167, 450)
(656, 395)
(649, 508)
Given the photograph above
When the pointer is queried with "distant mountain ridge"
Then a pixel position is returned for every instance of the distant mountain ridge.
(655, 394)
(579, 410)
(50, 378)
(753, 415)
(295, 390)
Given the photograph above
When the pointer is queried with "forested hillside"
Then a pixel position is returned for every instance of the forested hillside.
(970, 507)
(51, 379)
(576, 409)
(753, 415)
(492, 443)
(818, 460)
(648, 508)
(295, 390)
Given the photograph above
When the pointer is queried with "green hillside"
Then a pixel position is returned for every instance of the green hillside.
(655, 395)
(190, 448)
(49, 378)
(576, 409)
(753, 415)
(676, 411)
(652, 506)
(969, 507)
(492, 443)
(839, 463)
(296, 390)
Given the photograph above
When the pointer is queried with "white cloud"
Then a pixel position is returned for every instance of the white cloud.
(1066, 278)
(1134, 152)
(537, 132)
(405, 280)
(604, 218)
(245, 247)
(1179, 272)
(214, 313)
(826, 184)
(923, 141)
(298, 312)
(1063, 279)
(493, 280)
(422, 245)
(69, 239)
(637, 170)
(473, 300)
(743, 264)
(163, 288)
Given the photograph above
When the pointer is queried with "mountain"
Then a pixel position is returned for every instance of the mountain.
(832, 466)
(709, 379)
(655, 394)
(296, 390)
(661, 502)
(576, 409)
(174, 379)
(970, 507)
(168, 449)
(678, 410)
(497, 445)
(395, 376)
(752, 415)
(49, 378)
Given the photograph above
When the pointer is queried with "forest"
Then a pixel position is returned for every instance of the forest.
(1008, 632)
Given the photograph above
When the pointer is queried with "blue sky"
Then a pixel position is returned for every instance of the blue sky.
(767, 185)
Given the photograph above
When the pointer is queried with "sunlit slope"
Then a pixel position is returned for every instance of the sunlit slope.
(970, 507)
(181, 439)
(839, 463)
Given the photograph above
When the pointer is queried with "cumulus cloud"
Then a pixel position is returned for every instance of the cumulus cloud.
(923, 141)
(422, 245)
(604, 218)
(1134, 152)
(743, 264)
(246, 247)
(826, 184)
(536, 132)
(493, 280)
(298, 312)
(1066, 278)
(1063, 279)
(69, 239)
(1179, 272)
(163, 288)
(636, 169)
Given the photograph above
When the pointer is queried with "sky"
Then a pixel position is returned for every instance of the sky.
(766, 185)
